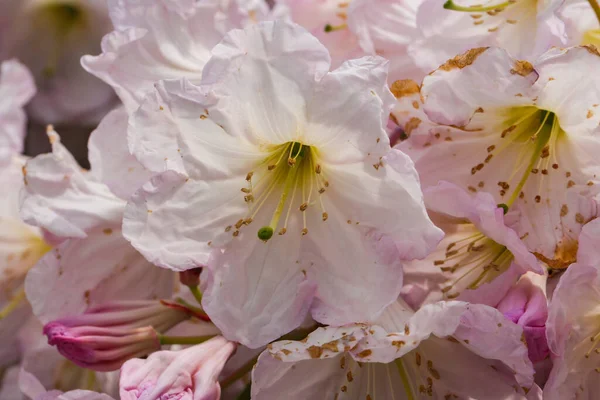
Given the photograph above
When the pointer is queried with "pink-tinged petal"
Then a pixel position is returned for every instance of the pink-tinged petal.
(384, 185)
(256, 292)
(158, 226)
(589, 251)
(486, 332)
(491, 293)
(564, 93)
(79, 395)
(16, 89)
(572, 331)
(346, 271)
(81, 273)
(175, 43)
(111, 162)
(266, 100)
(386, 28)
(58, 194)
(314, 16)
(448, 84)
(361, 86)
(579, 18)
(174, 130)
(191, 373)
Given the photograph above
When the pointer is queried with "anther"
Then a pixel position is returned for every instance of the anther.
(325, 216)
(318, 169)
(239, 224)
(249, 176)
(304, 232)
(322, 190)
(245, 190)
(303, 206)
(272, 167)
(282, 231)
(248, 198)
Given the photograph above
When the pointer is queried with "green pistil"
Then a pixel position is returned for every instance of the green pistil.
(450, 5)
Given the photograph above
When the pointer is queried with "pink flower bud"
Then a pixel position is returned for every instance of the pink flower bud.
(191, 277)
(106, 336)
(525, 304)
(187, 374)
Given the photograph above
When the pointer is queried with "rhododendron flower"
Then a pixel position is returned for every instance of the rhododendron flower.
(106, 336)
(445, 350)
(50, 36)
(155, 41)
(479, 246)
(186, 374)
(574, 324)
(280, 179)
(82, 211)
(525, 134)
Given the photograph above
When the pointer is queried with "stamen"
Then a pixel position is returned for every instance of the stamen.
(332, 28)
(450, 5)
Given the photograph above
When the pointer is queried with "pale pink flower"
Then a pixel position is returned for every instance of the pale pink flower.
(187, 374)
(163, 40)
(526, 134)
(444, 350)
(49, 37)
(573, 326)
(272, 183)
(106, 336)
(16, 89)
(82, 211)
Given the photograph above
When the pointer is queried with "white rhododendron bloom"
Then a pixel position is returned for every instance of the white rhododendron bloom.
(280, 179)
(446, 350)
(526, 133)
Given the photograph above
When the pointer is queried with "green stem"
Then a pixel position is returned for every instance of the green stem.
(450, 5)
(239, 373)
(405, 379)
(197, 293)
(595, 7)
(183, 339)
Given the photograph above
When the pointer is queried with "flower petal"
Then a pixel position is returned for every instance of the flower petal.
(255, 291)
(109, 156)
(58, 195)
(81, 273)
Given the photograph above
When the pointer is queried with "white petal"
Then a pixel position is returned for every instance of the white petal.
(342, 136)
(109, 156)
(263, 77)
(348, 261)
(174, 221)
(385, 196)
(256, 292)
(448, 84)
(58, 194)
(175, 45)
